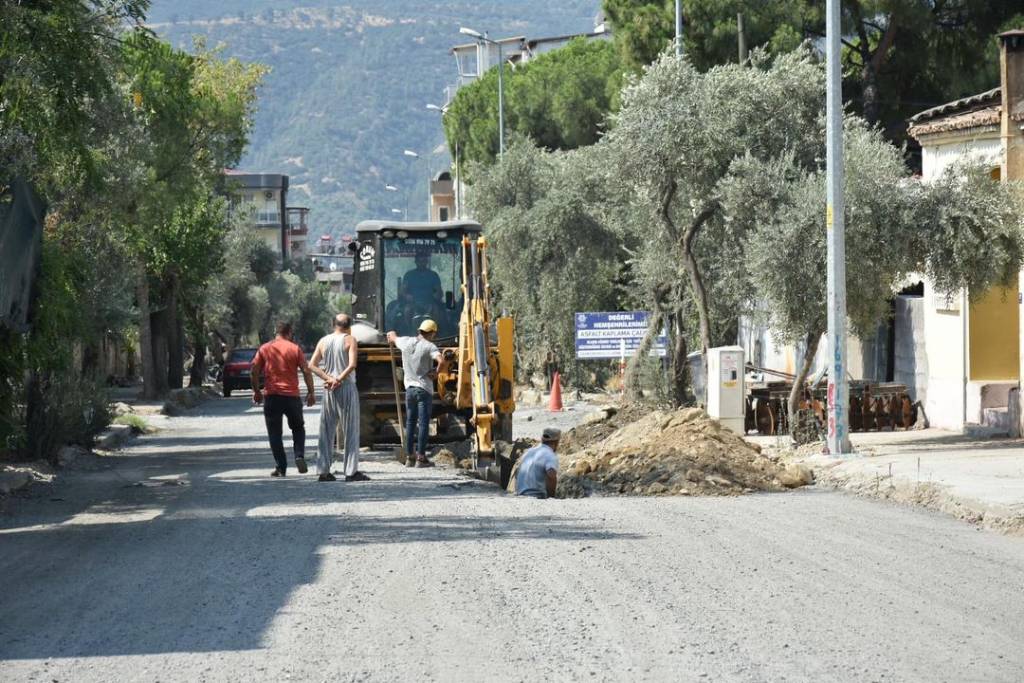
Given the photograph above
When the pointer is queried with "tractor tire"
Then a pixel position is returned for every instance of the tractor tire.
(367, 426)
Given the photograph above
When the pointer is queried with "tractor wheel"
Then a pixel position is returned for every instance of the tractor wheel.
(367, 425)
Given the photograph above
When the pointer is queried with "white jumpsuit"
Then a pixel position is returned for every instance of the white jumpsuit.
(340, 406)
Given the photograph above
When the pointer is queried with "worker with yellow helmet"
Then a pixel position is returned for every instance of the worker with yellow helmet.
(420, 359)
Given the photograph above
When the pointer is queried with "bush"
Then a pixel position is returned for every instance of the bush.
(62, 409)
(138, 425)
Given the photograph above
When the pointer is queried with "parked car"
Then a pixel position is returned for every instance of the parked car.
(237, 369)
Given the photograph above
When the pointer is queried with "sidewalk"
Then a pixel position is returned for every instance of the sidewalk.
(978, 480)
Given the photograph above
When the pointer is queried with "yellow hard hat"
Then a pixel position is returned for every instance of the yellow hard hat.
(428, 326)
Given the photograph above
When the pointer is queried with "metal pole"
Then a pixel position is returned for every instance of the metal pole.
(501, 103)
(741, 36)
(458, 181)
(679, 28)
(838, 390)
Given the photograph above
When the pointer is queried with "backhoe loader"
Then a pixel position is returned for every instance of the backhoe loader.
(404, 273)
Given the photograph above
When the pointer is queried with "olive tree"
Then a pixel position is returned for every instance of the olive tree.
(676, 143)
(551, 255)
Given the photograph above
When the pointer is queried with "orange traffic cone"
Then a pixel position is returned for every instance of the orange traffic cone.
(555, 402)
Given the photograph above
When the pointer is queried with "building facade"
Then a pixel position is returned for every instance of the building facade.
(973, 339)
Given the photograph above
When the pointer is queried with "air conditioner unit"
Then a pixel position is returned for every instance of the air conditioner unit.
(268, 195)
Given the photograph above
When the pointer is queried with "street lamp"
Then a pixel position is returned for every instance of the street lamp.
(399, 212)
(413, 155)
(455, 162)
(482, 37)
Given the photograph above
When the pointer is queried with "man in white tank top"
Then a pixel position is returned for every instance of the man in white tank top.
(338, 353)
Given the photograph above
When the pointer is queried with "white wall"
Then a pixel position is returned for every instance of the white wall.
(945, 336)
(940, 154)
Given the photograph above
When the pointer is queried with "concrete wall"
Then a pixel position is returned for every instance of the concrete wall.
(911, 354)
(940, 153)
(944, 348)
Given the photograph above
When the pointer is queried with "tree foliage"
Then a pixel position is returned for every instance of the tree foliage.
(900, 56)
(559, 100)
(126, 138)
(550, 255)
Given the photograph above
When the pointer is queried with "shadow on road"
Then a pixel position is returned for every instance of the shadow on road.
(199, 550)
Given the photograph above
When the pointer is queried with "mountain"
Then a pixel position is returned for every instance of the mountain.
(349, 85)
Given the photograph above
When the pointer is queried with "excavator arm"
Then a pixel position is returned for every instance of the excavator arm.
(485, 365)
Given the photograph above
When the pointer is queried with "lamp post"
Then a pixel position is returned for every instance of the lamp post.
(394, 188)
(482, 37)
(455, 162)
(679, 28)
(413, 155)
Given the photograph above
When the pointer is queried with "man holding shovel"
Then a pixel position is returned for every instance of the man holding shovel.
(420, 358)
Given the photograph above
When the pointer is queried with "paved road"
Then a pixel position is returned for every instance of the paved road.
(184, 561)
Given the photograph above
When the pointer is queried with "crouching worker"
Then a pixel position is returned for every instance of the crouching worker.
(538, 472)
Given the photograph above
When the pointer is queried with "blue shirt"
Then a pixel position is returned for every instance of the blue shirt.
(531, 480)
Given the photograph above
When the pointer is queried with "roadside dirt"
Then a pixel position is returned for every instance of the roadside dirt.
(684, 452)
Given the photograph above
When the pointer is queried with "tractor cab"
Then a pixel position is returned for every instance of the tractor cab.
(404, 273)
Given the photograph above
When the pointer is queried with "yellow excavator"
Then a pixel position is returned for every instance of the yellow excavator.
(404, 273)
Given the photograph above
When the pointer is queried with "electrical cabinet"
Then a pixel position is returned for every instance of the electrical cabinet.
(726, 392)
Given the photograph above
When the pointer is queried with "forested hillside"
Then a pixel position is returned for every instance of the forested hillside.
(349, 86)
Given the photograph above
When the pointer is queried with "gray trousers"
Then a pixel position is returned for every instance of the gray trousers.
(339, 409)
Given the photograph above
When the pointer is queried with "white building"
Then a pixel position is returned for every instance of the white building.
(973, 343)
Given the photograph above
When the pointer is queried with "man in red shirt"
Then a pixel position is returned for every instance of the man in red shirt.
(282, 360)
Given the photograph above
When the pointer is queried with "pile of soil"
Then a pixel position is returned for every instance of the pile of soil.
(682, 452)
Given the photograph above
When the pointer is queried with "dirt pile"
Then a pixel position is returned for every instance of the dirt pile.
(681, 452)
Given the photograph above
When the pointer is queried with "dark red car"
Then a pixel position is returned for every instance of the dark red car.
(237, 370)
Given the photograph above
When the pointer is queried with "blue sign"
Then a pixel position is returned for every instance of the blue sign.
(614, 335)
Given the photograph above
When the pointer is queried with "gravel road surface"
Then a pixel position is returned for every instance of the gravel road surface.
(181, 560)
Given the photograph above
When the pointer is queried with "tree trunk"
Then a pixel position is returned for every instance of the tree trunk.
(197, 375)
(150, 384)
(634, 385)
(700, 292)
(159, 324)
(871, 62)
(680, 365)
(175, 337)
(801, 378)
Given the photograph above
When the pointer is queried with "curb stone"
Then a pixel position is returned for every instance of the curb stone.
(928, 495)
(114, 437)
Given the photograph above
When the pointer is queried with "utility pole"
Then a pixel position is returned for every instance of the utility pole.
(838, 390)
(741, 37)
(679, 29)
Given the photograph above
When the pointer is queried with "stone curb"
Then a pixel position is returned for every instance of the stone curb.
(114, 437)
(929, 495)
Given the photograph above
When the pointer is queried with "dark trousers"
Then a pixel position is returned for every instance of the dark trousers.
(417, 408)
(274, 407)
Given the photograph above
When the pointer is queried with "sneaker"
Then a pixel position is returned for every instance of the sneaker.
(410, 460)
(300, 463)
(358, 476)
(277, 473)
(327, 477)
(423, 462)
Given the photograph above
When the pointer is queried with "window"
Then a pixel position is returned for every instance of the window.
(422, 279)
(443, 213)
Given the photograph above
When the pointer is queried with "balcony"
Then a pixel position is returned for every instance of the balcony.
(267, 218)
(298, 220)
